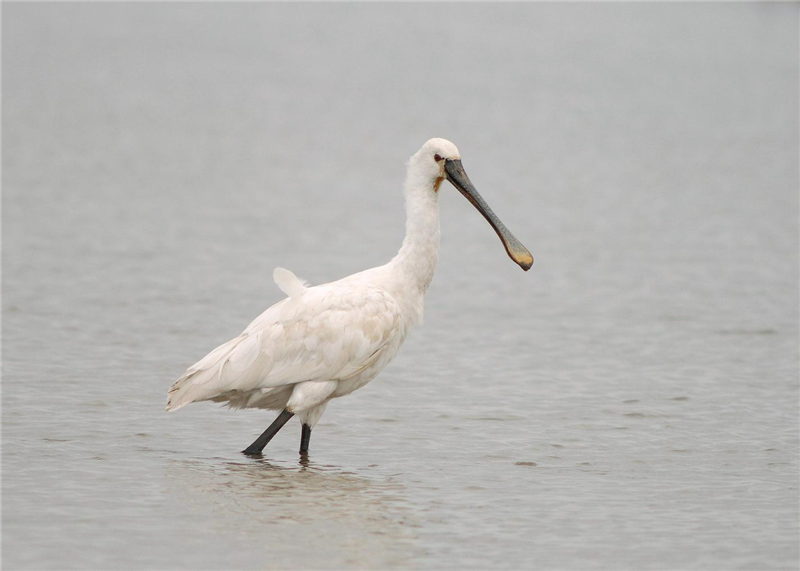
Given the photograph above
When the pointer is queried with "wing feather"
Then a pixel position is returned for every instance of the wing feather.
(327, 332)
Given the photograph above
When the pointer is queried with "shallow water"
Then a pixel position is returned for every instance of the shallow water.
(630, 403)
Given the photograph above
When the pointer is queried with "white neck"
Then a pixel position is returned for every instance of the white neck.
(416, 260)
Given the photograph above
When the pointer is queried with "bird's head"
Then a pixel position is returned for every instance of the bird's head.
(431, 158)
(439, 160)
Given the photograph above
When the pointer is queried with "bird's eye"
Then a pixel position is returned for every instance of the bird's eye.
(437, 158)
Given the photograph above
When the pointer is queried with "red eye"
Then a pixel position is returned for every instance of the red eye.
(437, 158)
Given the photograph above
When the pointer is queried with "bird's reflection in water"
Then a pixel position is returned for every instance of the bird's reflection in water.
(277, 509)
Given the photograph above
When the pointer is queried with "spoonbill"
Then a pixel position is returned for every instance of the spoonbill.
(326, 341)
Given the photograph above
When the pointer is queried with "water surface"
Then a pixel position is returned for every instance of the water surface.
(630, 403)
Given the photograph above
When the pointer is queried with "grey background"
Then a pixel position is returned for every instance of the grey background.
(630, 403)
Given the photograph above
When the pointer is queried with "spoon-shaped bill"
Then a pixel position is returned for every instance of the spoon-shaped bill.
(459, 179)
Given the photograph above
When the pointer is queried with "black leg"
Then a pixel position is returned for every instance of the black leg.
(257, 446)
(305, 439)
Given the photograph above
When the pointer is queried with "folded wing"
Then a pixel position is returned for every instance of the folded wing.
(328, 332)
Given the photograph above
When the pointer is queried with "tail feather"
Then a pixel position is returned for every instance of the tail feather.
(192, 387)
(180, 394)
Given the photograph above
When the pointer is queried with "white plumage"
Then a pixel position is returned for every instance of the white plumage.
(326, 341)
(331, 332)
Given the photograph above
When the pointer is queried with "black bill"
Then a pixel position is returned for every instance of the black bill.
(459, 179)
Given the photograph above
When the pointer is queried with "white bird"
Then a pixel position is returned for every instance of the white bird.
(326, 341)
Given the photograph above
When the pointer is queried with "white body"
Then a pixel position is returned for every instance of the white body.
(326, 341)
